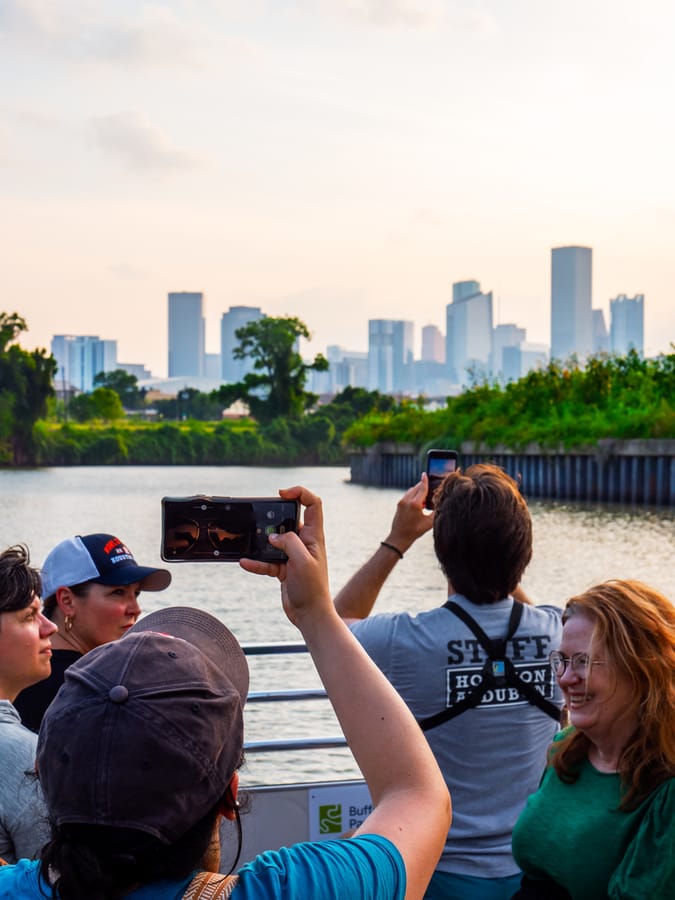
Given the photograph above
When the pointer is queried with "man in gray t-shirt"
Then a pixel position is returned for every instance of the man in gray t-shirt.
(489, 733)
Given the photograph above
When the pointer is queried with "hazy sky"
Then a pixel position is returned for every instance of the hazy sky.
(338, 160)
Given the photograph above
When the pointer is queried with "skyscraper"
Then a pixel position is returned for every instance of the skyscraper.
(571, 314)
(80, 357)
(390, 355)
(433, 344)
(233, 370)
(626, 329)
(468, 336)
(505, 336)
(600, 335)
(186, 334)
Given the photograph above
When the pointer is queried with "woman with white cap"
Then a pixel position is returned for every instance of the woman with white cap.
(138, 759)
(90, 589)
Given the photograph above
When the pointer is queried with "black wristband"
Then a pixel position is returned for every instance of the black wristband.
(391, 547)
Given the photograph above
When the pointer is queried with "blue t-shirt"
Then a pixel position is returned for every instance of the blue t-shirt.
(369, 867)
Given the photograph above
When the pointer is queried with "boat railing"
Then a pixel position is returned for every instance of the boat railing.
(280, 696)
(280, 814)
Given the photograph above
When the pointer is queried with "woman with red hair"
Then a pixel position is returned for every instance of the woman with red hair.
(602, 823)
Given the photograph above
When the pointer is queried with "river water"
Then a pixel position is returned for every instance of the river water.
(574, 546)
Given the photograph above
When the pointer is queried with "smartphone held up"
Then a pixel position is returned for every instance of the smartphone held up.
(439, 464)
(225, 529)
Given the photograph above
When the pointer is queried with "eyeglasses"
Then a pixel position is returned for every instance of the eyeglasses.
(183, 536)
(580, 663)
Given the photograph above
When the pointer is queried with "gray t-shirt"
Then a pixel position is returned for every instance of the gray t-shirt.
(493, 756)
(23, 819)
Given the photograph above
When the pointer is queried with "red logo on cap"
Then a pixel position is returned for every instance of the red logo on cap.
(110, 546)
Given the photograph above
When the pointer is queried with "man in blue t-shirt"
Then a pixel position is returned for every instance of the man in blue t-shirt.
(474, 671)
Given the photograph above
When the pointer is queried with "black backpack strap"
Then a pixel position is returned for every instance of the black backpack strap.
(530, 693)
(498, 670)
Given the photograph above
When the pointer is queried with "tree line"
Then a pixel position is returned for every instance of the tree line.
(562, 404)
(569, 405)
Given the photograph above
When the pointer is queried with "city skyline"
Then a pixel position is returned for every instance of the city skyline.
(472, 347)
(338, 160)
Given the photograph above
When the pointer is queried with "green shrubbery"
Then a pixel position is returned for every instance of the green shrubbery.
(611, 397)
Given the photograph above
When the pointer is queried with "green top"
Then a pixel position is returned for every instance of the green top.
(576, 835)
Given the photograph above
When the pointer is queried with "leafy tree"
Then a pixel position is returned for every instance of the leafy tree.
(102, 403)
(124, 385)
(189, 403)
(25, 386)
(277, 386)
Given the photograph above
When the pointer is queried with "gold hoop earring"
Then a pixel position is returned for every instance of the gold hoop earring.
(68, 623)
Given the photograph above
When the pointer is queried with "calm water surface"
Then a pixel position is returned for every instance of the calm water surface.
(574, 546)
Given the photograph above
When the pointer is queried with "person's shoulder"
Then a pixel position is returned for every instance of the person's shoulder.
(395, 622)
(303, 868)
(546, 613)
(21, 880)
(13, 732)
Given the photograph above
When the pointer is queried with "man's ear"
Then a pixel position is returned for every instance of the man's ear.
(65, 600)
(229, 805)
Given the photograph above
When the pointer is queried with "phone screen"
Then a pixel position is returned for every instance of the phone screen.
(439, 464)
(224, 529)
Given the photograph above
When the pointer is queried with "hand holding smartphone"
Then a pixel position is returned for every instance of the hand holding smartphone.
(439, 464)
(225, 529)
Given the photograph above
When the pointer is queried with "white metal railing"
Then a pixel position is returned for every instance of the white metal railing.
(274, 746)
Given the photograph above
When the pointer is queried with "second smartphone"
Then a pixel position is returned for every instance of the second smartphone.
(439, 464)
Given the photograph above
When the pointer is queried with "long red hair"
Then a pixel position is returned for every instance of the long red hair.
(635, 627)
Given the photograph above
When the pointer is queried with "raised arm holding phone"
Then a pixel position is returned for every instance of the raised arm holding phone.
(412, 807)
(139, 752)
(458, 665)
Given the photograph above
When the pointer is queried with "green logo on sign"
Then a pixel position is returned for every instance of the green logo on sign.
(330, 818)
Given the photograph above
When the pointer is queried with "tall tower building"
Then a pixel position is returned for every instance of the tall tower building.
(186, 334)
(627, 325)
(390, 355)
(571, 313)
(80, 357)
(505, 336)
(600, 333)
(468, 335)
(233, 370)
(433, 344)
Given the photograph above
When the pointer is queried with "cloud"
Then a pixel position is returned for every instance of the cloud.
(472, 20)
(87, 31)
(409, 14)
(133, 139)
(389, 13)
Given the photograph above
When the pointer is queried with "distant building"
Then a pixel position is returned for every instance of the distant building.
(505, 335)
(80, 358)
(521, 359)
(627, 323)
(433, 344)
(233, 370)
(571, 316)
(347, 368)
(600, 333)
(468, 335)
(186, 334)
(137, 369)
(212, 366)
(390, 355)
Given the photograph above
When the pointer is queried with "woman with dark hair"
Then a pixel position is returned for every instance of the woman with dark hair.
(602, 823)
(91, 584)
(138, 758)
(25, 657)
